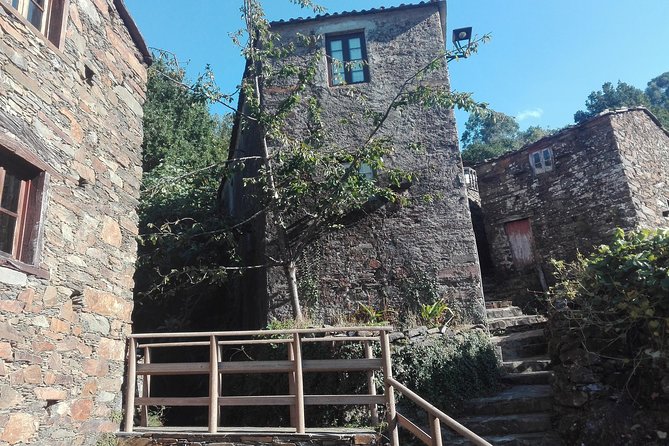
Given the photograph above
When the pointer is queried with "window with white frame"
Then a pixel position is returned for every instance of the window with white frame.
(47, 16)
(541, 160)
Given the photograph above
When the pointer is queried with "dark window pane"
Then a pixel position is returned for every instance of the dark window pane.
(15, 3)
(7, 225)
(35, 15)
(10, 192)
(537, 160)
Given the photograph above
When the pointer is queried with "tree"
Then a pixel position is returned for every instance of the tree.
(305, 186)
(657, 92)
(610, 97)
(491, 134)
(184, 153)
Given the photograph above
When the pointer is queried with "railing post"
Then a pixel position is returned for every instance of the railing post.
(219, 351)
(146, 389)
(130, 385)
(299, 384)
(213, 385)
(435, 427)
(292, 387)
(371, 387)
(390, 392)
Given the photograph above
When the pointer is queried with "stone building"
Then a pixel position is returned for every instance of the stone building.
(71, 92)
(569, 191)
(384, 259)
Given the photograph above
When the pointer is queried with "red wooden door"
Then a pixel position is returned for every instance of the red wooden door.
(519, 233)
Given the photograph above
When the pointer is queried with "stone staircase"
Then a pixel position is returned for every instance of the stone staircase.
(520, 414)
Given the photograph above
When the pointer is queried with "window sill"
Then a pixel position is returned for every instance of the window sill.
(25, 268)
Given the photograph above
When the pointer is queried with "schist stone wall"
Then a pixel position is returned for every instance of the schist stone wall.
(72, 109)
(644, 148)
(608, 172)
(379, 259)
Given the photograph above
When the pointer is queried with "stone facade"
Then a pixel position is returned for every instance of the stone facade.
(610, 172)
(374, 261)
(71, 111)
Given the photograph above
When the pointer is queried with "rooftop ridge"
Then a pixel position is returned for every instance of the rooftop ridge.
(569, 128)
(355, 12)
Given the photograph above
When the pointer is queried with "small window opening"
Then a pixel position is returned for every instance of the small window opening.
(471, 180)
(542, 161)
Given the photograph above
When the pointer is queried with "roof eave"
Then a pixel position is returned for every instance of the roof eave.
(134, 31)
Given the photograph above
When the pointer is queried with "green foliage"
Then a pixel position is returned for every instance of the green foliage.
(449, 370)
(367, 314)
(491, 134)
(617, 298)
(655, 97)
(181, 242)
(419, 288)
(435, 314)
(611, 97)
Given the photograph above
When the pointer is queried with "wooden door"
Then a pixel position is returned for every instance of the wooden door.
(519, 233)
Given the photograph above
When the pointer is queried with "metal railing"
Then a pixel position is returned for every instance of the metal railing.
(295, 366)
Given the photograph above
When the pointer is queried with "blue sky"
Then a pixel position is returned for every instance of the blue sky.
(544, 58)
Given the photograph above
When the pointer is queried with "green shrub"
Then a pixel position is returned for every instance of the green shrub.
(448, 370)
(618, 298)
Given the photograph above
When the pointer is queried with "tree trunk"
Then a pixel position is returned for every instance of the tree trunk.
(290, 271)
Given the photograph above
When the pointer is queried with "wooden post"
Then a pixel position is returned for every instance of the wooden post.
(390, 392)
(219, 350)
(213, 385)
(299, 384)
(146, 389)
(371, 387)
(130, 385)
(435, 426)
(292, 387)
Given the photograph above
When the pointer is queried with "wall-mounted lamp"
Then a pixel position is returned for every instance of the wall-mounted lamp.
(462, 38)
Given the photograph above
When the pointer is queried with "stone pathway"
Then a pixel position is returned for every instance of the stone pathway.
(520, 414)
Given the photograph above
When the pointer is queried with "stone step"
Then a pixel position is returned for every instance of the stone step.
(538, 364)
(528, 378)
(522, 344)
(532, 439)
(496, 313)
(514, 400)
(516, 323)
(498, 304)
(503, 425)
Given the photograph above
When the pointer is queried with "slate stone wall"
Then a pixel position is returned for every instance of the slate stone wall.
(78, 110)
(644, 149)
(593, 398)
(574, 207)
(372, 261)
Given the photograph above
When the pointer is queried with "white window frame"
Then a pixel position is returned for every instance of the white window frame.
(22, 6)
(545, 162)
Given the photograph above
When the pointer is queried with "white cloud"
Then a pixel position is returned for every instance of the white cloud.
(535, 113)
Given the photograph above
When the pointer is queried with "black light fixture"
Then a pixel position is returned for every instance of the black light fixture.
(462, 38)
